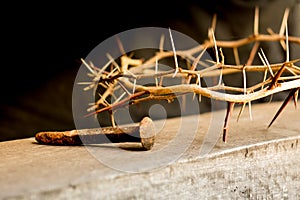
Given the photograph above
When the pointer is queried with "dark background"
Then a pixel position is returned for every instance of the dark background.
(42, 45)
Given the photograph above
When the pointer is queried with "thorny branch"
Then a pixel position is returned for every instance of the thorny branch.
(124, 76)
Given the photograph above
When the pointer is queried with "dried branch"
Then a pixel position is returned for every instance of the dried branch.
(124, 77)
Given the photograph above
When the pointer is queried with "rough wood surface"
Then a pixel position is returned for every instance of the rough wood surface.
(255, 163)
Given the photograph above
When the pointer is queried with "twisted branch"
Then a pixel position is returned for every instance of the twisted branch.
(121, 81)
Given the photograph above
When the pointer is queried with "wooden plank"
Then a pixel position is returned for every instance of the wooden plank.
(255, 162)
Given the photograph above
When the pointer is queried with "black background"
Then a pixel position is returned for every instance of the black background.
(42, 44)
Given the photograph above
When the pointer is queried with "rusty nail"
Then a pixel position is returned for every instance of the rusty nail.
(144, 133)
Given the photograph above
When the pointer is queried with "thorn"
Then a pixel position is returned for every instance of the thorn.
(214, 22)
(124, 88)
(250, 111)
(264, 79)
(221, 71)
(265, 62)
(256, 20)
(241, 111)
(134, 86)
(296, 98)
(215, 45)
(199, 80)
(253, 53)
(194, 65)
(287, 44)
(283, 26)
(156, 70)
(199, 84)
(276, 77)
(161, 81)
(244, 79)
(121, 103)
(87, 66)
(119, 98)
(132, 74)
(120, 45)
(236, 56)
(113, 61)
(112, 118)
(112, 71)
(230, 107)
(161, 43)
(174, 52)
(271, 98)
(194, 94)
(289, 97)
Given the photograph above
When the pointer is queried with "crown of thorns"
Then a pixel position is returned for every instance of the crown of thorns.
(278, 77)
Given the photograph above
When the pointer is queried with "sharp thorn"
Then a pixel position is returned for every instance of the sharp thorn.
(289, 97)
(241, 111)
(276, 77)
(230, 107)
(296, 98)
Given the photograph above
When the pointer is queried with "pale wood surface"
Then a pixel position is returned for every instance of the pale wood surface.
(255, 161)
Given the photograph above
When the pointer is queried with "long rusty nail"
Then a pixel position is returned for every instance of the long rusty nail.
(144, 133)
